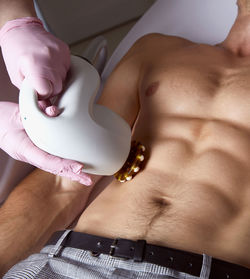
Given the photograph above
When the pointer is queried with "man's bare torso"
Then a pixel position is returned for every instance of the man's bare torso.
(194, 119)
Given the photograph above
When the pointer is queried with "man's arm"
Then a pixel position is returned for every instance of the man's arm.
(40, 205)
(121, 91)
(12, 9)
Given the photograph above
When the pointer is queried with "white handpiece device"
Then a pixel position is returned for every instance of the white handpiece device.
(85, 132)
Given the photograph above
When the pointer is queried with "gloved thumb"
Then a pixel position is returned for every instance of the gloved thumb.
(43, 87)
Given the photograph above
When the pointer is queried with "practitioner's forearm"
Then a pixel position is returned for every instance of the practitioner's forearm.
(39, 206)
(13, 9)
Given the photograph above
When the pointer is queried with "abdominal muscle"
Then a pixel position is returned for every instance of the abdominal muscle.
(194, 192)
(190, 196)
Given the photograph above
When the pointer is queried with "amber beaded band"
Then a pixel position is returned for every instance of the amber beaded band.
(133, 164)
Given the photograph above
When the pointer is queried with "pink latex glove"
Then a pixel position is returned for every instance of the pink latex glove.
(30, 51)
(15, 142)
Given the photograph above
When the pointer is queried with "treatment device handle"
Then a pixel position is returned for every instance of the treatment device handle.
(84, 131)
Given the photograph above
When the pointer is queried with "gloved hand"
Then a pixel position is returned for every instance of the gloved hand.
(30, 51)
(14, 141)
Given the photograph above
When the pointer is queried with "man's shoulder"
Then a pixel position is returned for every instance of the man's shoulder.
(156, 39)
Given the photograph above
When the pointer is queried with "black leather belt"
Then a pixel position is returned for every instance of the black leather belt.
(141, 251)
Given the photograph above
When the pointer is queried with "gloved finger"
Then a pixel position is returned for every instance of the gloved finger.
(43, 104)
(37, 76)
(74, 171)
(43, 86)
(82, 177)
(56, 76)
(47, 81)
(48, 108)
(57, 81)
(52, 164)
(47, 87)
(52, 111)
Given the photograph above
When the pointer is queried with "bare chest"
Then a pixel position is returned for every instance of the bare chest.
(199, 86)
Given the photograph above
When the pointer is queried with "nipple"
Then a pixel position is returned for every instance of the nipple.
(151, 90)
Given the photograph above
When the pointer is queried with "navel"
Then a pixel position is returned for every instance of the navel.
(151, 90)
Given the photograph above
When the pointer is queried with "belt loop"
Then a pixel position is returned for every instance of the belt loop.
(206, 267)
(54, 251)
(139, 250)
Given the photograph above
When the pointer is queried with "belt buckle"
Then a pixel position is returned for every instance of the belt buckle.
(113, 246)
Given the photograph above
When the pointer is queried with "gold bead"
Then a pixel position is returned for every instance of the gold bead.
(129, 177)
(140, 157)
(143, 148)
(136, 169)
